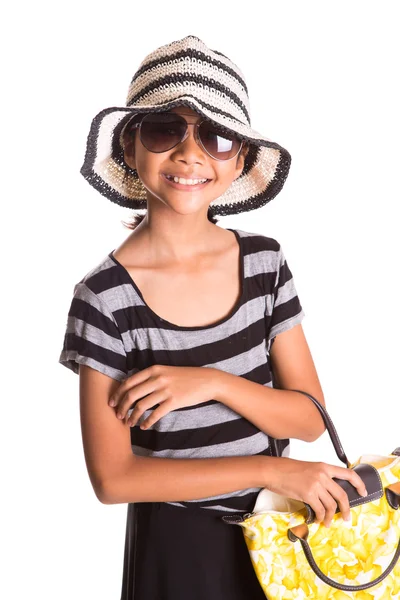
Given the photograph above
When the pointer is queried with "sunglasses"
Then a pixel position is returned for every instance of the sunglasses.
(160, 132)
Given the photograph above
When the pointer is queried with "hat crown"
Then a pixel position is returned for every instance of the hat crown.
(189, 69)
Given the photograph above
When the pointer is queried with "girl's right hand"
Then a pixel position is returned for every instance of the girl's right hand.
(312, 482)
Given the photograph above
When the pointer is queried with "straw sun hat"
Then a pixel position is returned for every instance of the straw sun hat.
(186, 72)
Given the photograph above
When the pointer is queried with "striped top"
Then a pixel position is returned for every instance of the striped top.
(111, 329)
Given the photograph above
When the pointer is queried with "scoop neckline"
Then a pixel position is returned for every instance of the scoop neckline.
(191, 327)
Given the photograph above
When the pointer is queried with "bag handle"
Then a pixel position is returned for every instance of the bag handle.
(330, 427)
(300, 532)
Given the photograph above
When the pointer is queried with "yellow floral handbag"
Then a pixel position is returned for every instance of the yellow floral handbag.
(297, 559)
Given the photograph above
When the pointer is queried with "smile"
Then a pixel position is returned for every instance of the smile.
(186, 184)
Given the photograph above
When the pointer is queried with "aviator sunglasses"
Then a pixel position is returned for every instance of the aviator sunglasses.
(160, 132)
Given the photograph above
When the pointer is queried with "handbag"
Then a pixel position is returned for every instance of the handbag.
(297, 558)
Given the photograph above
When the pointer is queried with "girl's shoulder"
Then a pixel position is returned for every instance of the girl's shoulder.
(108, 283)
(261, 253)
(97, 272)
(259, 241)
(94, 327)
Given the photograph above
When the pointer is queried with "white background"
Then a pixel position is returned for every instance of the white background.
(323, 82)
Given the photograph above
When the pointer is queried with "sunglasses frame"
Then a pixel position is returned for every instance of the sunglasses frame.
(138, 125)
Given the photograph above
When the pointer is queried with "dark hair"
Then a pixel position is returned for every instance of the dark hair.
(128, 137)
(137, 218)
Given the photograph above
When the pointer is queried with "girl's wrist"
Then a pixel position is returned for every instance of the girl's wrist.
(219, 383)
(270, 470)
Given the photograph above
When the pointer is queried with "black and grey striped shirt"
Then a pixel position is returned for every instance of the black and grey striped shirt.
(111, 329)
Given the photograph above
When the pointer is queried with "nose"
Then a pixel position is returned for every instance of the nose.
(190, 146)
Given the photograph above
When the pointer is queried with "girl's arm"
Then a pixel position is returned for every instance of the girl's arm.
(281, 413)
(147, 479)
(118, 476)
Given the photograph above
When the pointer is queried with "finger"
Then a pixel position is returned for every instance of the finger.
(139, 392)
(130, 413)
(128, 383)
(141, 406)
(351, 476)
(114, 399)
(156, 415)
(124, 404)
(330, 506)
(145, 404)
(317, 507)
(359, 485)
(341, 498)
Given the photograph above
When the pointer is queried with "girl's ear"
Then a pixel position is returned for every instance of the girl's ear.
(245, 149)
(128, 144)
(129, 155)
(241, 158)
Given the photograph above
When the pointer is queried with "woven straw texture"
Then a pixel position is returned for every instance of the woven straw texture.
(186, 72)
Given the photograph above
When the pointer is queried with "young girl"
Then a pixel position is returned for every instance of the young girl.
(194, 331)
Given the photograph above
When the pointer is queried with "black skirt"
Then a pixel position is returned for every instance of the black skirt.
(174, 553)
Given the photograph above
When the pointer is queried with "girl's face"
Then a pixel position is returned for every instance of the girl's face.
(189, 160)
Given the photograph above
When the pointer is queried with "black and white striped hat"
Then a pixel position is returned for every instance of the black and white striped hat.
(186, 72)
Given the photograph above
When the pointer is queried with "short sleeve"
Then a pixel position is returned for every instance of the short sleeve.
(92, 336)
(284, 309)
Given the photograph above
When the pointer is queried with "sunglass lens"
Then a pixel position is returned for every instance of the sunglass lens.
(161, 132)
(219, 144)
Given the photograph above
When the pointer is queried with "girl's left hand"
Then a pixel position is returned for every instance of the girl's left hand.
(170, 387)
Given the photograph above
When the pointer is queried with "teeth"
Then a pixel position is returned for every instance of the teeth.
(186, 181)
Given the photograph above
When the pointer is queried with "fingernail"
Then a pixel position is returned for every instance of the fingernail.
(365, 493)
(120, 416)
(347, 518)
(112, 403)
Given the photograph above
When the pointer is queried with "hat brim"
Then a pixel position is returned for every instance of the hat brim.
(265, 171)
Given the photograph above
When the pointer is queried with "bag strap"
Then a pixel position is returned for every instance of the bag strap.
(300, 532)
(274, 446)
